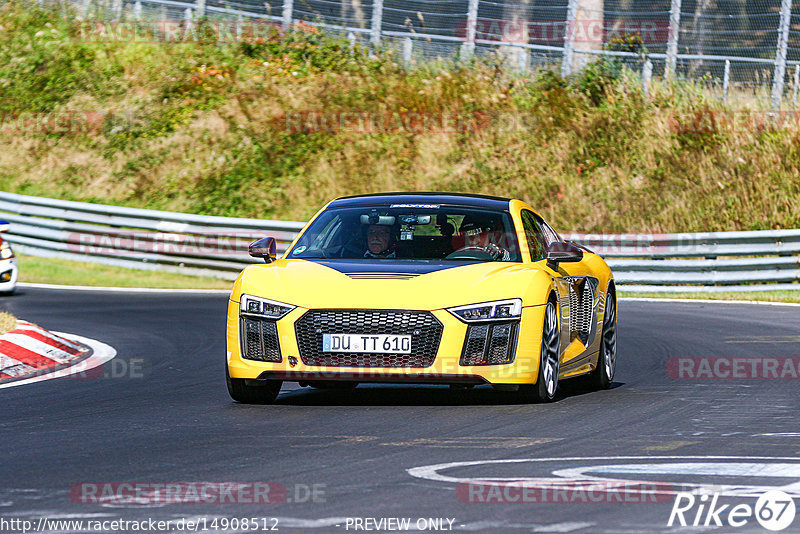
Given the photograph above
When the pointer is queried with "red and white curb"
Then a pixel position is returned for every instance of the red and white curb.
(30, 353)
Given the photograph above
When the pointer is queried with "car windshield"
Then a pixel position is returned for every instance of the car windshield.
(412, 232)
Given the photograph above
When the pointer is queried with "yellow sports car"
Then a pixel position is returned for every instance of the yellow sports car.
(425, 288)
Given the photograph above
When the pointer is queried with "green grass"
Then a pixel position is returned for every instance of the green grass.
(761, 296)
(205, 127)
(33, 269)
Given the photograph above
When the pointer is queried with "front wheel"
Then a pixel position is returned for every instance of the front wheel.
(241, 391)
(603, 374)
(544, 390)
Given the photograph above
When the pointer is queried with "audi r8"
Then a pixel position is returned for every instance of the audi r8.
(422, 288)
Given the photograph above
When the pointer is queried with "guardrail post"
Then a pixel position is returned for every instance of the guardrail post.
(468, 48)
(672, 43)
(647, 75)
(286, 22)
(780, 55)
(522, 60)
(377, 20)
(408, 48)
(569, 38)
(187, 20)
(796, 84)
(726, 78)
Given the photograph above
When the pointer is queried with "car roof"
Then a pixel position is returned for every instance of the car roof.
(457, 199)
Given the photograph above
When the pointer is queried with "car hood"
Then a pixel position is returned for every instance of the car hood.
(384, 284)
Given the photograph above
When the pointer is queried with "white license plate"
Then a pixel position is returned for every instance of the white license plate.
(387, 344)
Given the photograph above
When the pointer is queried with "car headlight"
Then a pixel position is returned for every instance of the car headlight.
(5, 251)
(262, 307)
(498, 310)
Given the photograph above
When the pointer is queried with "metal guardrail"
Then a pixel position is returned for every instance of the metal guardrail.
(137, 238)
(217, 246)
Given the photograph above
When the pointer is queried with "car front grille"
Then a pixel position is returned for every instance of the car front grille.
(260, 340)
(425, 331)
(489, 344)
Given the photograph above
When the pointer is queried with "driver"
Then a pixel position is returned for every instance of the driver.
(483, 235)
(379, 242)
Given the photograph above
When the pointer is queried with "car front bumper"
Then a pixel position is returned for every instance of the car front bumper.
(446, 367)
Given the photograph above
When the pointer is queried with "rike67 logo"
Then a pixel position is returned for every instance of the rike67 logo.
(774, 510)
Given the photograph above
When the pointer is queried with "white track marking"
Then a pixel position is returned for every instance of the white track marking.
(128, 289)
(752, 466)
(709, 301)
(101, 354)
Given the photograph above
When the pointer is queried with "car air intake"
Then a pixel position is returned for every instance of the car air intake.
(490, 344)
(425, 331)
(581, 298)
(260, 340)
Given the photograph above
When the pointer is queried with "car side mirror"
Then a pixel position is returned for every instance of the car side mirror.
(264, 248)
(561, 251)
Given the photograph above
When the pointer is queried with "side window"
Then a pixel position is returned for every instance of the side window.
(534, 235)
(550, 235)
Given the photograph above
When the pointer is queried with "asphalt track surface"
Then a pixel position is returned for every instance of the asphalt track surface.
(167, 417)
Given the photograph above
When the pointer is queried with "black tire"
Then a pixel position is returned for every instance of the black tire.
(603, 374)
(544, 390)
(242, 392)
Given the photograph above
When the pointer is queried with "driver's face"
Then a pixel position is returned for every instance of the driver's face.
(476, 239)
(378, 238)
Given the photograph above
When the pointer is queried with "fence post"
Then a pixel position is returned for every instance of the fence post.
(117, 8)
(522, 60)
(647, 75)
(796, 84)
(468, 48)
(187, 20)
(780, 55)
(137, 10)
(726, 79)
(674, 34)
(408, 48)
(85, 8)
(377, 19)
(200, 6)
(287, 14)
(569, 38)
(351, 37)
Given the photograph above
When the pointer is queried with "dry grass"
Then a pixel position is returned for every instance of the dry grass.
(7, 322)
